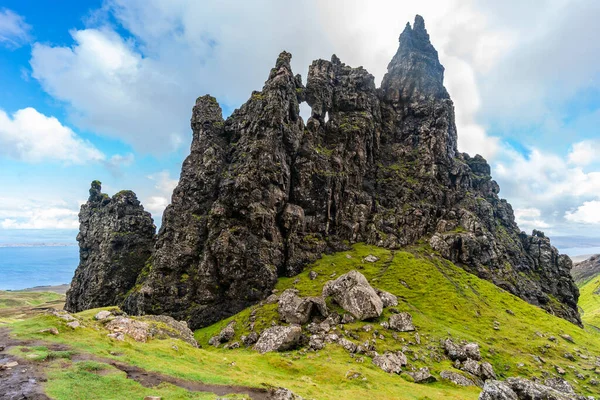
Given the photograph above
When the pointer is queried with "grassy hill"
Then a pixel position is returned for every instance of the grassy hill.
(517, 338)
(589, 302)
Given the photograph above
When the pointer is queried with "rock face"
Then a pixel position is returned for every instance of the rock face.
(116, 238)
(584, 270)
(262, 194)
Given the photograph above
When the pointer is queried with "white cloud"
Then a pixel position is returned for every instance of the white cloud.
(141, 90)
(18, 213)
(116, 163)
(33, 137)
(14, 32)
(160, 198)
(530, 218)
(587, 213)
(584, 153)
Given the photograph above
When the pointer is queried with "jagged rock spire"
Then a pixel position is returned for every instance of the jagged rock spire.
(116, 238)
(415, 70)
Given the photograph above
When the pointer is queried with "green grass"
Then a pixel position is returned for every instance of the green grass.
(443, 299)
(17, 299)
(93, 380)
(589, 301)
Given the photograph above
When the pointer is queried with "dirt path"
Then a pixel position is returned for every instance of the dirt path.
(24, 380)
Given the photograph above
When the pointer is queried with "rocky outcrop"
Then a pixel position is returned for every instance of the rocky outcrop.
(587, 269)
(116, 238)
(262, 194)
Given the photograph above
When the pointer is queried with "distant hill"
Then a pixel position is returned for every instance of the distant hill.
(587, 269)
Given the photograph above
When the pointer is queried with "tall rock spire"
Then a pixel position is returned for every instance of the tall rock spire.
(116, 238)
(415, 70)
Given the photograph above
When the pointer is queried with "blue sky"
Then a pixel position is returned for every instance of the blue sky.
(104, 90)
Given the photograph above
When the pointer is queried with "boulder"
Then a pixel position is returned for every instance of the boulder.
(454, 351)
(559, 384)
(472, 351)
(456, 378)
(73, 324)
(283, 394)
(390, 362)
(401, 322)
(102, 315)
(522, 389)
(388, 299)
(224, 336)
(250, 339)
(422, 375)
(298, 310)
(497, 390)
(355, 295)
(279, 338)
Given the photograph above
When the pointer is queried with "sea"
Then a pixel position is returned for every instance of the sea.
(30, 258)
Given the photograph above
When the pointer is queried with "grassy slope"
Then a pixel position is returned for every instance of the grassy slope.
(443, 299)
(589, 301)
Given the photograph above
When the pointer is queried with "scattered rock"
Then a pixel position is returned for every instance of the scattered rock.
(472, 351)
(371, 258)
(568, 338)
(73, 324)
(472, 367)
(559, 370)
(391, 362)
(456, 378)
(355, 295)
(152, 398)
(250, 339)
(299, 310)
(283, 394)
(496, 390)
(64, 315)
(8, 365)
(272, 299)
(388, 299)
(401, 322)
(422, 375)
(312, 275)
(117, 336)
(487, 371)
(101, 315)
(559, 384)
(278, 338)
(347, 319)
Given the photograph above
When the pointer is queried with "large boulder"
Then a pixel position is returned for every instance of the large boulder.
(422, 375)
(298, 310)
(279, 338)
(137, 330)
(355, 295)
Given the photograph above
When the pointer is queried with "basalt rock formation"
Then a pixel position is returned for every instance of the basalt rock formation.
(262, 194)
(116, 238)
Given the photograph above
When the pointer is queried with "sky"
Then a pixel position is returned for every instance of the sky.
(103, 89)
